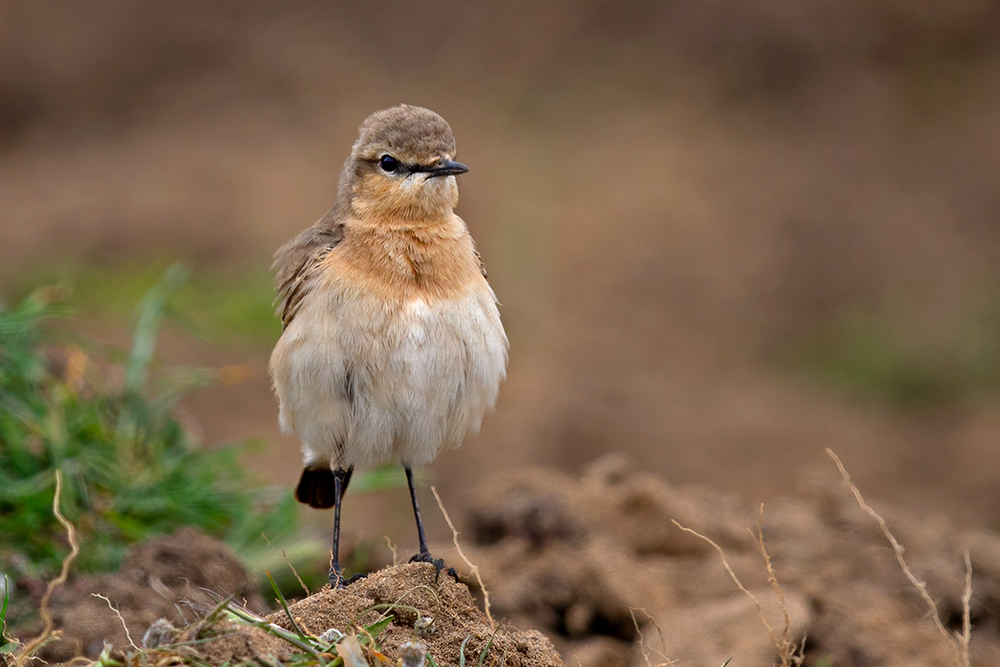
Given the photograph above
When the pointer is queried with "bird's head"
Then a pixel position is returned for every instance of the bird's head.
(402, 167)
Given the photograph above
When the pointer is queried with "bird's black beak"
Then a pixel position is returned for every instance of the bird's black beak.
(445, 168)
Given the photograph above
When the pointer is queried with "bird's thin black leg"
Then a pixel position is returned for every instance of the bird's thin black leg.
(425, 554)
(341, 478)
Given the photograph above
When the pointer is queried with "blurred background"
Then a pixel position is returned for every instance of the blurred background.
(725, 234)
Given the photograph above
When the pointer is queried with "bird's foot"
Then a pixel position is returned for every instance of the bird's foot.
(337, 579)
(438, 563)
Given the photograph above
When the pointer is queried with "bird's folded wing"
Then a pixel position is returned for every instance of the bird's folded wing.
(298, 263)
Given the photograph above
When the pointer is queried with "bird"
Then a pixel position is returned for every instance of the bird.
(392, 348)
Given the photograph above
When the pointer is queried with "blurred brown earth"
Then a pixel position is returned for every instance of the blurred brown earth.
(595, 562)
(675, 201)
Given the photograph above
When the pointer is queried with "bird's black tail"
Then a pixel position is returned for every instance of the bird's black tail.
(317, 487)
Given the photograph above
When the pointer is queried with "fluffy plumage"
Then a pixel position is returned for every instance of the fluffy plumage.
(392, 346)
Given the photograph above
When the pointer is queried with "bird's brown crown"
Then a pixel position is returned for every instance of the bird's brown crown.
(411, 134)
(396, 167)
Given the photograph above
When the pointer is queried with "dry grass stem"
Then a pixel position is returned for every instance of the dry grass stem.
(787, 650)
(959, 643)
(966, 611)
(128, 635)
(25, 653)
(397, 604)
(789, 653)
(340, 576)
(642, 639)
(475, 570)
(392, 548)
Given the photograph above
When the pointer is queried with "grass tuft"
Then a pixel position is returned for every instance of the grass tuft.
(129, 469)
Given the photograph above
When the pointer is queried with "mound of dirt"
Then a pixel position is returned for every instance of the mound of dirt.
(163, 576)
(439, 613)
(158, 579)
(443, 612)
(597, 563)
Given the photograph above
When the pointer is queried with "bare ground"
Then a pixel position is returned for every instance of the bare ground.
(597, 563)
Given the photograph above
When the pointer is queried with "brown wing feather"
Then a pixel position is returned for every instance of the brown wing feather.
(297, 262)
(479, 260)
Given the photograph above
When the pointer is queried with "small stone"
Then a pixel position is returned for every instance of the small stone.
(424, 626)
(159, 633)
(330, 637)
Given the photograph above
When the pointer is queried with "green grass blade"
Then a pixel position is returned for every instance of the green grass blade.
(375, 629)
(3, 611)
(486, 649)
(461, 651)
(151, 310)
(284, 605)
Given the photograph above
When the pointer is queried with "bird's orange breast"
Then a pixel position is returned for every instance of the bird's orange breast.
(436, 261)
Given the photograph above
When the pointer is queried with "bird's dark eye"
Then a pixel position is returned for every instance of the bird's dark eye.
(388, 164)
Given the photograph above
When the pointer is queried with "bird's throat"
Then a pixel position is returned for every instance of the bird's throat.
(431, 259)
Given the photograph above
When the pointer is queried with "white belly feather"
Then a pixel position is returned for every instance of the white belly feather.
(364, 381)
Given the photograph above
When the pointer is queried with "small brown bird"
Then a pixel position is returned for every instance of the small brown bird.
(392, 347)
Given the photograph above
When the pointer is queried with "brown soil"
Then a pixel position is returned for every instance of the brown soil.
(169, 586)
(437, 613)
(596, 563)
(579, 556)
(163, 577)
(408, 590)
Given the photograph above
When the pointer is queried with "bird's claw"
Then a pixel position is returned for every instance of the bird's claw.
(337, 580)
(438, 564)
